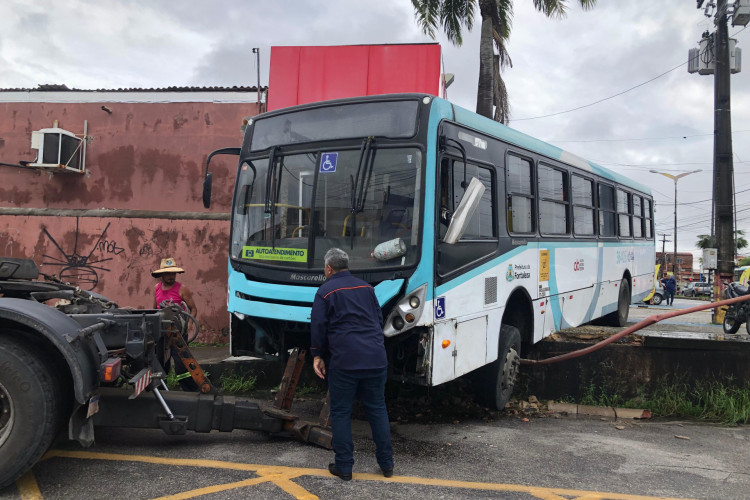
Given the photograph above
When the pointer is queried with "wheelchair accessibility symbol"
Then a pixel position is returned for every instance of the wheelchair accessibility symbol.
(440, 308)
(328, 162)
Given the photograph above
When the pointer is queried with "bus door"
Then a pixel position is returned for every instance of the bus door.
(467, 238)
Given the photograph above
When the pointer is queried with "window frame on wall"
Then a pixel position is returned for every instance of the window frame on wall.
(562, 201)
(510, 195)
(591, 206)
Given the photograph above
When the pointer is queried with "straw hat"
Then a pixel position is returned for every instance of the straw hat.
(168, 265)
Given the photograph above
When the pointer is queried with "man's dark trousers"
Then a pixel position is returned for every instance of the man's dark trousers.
(369, 387)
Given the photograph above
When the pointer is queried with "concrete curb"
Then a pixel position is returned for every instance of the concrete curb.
(598, 411)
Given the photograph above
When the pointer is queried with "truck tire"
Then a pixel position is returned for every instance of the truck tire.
(496, 381)
(29, 409)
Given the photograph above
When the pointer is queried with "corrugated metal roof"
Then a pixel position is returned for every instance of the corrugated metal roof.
(64, 88)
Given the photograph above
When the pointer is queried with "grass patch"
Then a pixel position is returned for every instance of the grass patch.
(713, 401)
(234, 383)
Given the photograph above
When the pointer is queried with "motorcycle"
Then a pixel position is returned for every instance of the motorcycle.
(737, 313)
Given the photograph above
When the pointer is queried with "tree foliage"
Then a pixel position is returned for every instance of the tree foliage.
(455, 15)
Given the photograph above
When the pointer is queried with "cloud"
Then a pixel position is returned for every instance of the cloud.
(558, 65)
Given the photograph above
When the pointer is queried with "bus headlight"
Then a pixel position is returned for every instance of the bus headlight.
(406, 313)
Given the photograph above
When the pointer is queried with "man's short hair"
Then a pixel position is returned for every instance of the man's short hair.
(337, 259)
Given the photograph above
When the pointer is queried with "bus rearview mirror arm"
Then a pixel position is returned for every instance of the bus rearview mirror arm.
(208, 176)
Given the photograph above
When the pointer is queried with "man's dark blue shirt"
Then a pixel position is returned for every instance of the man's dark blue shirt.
(347, 322)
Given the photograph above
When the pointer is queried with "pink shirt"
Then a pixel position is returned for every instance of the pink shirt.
(173, 294)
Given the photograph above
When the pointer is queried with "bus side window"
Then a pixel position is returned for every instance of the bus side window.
(480, 237)
(520, 196)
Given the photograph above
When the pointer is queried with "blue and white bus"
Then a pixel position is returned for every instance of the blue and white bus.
(478, 240)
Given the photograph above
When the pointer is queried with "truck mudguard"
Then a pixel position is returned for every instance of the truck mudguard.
(81, 356)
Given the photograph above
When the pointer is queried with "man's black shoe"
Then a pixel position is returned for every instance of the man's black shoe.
(387, 472)
(333, 470)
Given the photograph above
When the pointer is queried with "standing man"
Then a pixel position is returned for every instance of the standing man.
(170, 290)
(347, 324)
(670, 286)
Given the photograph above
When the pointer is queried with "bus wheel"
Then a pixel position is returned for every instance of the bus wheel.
(620, 316)
(29, 408)
(497, 380)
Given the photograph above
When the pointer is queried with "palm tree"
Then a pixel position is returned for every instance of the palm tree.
(704, 240)
(453, 15)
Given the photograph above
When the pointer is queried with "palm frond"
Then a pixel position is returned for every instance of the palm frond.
(552, 8)
(500, 96)
(455, 14)
(427, 13)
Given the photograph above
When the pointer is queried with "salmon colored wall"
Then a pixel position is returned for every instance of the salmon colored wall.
(142, 156)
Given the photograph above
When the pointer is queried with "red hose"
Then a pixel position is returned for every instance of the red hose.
(638, 326)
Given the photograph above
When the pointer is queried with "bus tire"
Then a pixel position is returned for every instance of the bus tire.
(29, 409)
(498, 379)
(620, 316)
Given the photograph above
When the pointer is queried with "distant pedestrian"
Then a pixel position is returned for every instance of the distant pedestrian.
(670, 286)
(347, 325)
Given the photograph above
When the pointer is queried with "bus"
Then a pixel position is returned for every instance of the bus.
(479, 240)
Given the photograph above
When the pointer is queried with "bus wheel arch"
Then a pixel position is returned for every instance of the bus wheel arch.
(496, 381)
(619, 317)
(519, 313)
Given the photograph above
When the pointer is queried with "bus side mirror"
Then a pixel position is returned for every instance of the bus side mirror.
(466, 208)
(207, 189)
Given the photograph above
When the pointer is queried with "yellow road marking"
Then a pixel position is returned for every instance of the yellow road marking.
(215, 489)
(28, 489)
(282, 477)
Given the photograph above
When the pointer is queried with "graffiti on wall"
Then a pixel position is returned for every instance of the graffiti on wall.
(77, 267)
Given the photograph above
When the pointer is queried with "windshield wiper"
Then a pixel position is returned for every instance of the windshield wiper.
(361, 182)
(270, 201)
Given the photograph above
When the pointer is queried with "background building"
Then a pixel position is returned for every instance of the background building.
(137, 197)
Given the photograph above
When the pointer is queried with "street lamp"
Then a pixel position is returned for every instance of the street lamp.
(675, 178)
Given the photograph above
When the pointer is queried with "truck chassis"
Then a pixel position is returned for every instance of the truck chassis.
(71, 356)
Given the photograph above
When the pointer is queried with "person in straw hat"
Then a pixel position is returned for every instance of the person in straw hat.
(169, 290)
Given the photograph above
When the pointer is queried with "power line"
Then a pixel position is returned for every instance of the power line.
(615, 95)
(711, 134)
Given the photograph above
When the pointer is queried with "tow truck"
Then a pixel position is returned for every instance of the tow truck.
(72, 358)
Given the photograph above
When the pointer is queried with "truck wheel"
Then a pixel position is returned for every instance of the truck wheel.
(29, 409)
(620, 316)
(497, 380)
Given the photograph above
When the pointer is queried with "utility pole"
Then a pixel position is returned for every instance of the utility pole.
(715, 57)
(723, 165)
(664, 241)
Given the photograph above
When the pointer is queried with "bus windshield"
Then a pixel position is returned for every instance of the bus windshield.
(291, 208)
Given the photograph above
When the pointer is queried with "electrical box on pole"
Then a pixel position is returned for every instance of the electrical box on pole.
(741, 14)
(703, 60)
(710, 260)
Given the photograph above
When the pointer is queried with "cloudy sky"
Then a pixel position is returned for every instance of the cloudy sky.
(558, 65)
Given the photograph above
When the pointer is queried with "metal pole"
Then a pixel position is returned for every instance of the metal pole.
(256, 51)
(723, 168)
(674, 256)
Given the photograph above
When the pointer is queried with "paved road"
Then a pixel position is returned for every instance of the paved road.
(547, 457)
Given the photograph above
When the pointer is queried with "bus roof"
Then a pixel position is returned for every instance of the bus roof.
(483, 124)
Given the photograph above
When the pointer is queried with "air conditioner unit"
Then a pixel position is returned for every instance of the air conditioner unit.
(59, 149)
